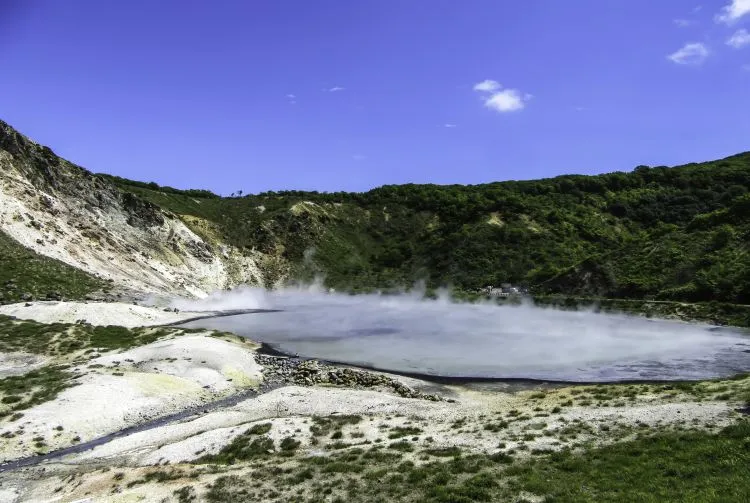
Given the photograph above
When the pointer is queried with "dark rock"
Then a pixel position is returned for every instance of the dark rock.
(141, 213)
(201, 251)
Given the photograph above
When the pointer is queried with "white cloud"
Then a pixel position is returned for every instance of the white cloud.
(692, 53)
(683, 23)
(507, 100)
(741, 38)
(359, 157)
(290, 96)
(733, 11)
(449, 125)
(335, 89)
(487, 86)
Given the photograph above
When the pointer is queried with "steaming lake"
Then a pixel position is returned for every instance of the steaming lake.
(406, 334)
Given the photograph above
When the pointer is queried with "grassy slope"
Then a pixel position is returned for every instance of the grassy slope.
(664, 233)
(694, 466)
(680, 466)
(22, 271)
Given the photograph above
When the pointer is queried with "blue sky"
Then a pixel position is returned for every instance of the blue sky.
(349, 95)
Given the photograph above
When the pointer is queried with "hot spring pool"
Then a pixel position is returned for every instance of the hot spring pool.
(410, 335)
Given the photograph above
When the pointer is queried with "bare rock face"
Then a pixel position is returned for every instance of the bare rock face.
(63, 211)
(141, 213)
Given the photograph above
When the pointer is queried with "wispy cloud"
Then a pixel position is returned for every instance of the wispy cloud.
(741, 38)
(291, 96)
(733, 11)
(746, 67)
(449, 125)
(359, 157)
(683, 23)
(335, 89)
(501, 100)
(692, 53)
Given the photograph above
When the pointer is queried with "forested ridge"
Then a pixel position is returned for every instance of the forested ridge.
(680, 233)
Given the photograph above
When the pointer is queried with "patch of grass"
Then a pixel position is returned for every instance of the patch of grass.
(289, 444)
(23, 271)
(502, 457)
(496, 426)
(259, 429)
(693, 466)
(376, 455)
(444, 452)
(324, 425)
(38, 386)
(402, 446)
(185, 494)
(404, 431)
(159, 476)
(56, 339)
(247, 446)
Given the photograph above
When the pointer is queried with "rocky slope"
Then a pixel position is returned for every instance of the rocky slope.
(63, 211)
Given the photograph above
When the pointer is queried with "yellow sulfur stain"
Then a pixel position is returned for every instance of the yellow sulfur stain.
(161, 384)
(239, 378)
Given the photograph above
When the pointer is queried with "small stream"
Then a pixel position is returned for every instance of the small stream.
(154, 423)
(148, 425)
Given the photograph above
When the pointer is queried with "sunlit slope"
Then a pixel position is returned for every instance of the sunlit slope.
(677, 233)
(61, 211)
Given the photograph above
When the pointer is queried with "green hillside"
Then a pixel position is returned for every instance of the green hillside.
(679, 233)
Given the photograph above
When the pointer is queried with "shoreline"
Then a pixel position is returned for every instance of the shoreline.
(219, 314)
(521, 382)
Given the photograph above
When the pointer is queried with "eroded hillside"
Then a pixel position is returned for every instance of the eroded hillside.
(62, 211)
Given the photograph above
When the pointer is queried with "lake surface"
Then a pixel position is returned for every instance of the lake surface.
(439, 338)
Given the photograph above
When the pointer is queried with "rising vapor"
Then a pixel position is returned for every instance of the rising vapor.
(408, 333)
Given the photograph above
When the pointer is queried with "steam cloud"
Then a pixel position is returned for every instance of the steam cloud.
(408, 333)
